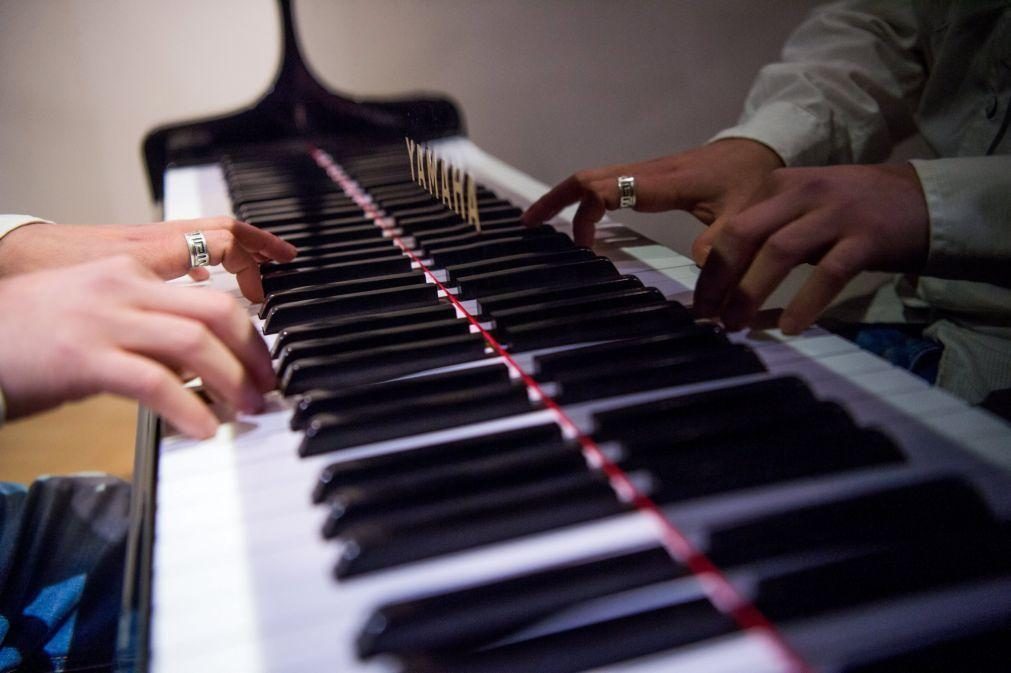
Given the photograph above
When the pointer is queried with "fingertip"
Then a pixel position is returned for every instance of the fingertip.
(204, 427)
(701, 254)
(199, 274)
(790, 325)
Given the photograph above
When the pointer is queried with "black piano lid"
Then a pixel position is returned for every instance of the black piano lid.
(296, 107)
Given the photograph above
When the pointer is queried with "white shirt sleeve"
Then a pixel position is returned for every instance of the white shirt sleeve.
(9, 223)
(845, 89)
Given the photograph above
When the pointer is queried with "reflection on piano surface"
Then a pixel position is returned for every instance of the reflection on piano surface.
(497, 451)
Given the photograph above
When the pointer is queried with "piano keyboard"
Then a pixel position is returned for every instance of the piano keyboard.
(497, 451)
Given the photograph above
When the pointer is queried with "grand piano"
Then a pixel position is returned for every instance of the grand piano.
(495, 451)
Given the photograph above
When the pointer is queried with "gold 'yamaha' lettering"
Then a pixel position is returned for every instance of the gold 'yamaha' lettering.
(420, 161)
(446, 194)
(411, 147)
(456, 189)
(432, 174)
(473, 216)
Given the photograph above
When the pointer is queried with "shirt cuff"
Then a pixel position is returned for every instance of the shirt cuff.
(969, 206)
(9, 223)
(789, 130)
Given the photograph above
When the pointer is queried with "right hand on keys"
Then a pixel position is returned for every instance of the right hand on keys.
(114, 326)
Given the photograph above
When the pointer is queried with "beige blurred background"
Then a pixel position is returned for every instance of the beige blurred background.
(549, 86)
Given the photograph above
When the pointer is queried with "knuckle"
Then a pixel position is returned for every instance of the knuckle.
(783, 247)
(150, 384)
(582, 178)
(191, 336)
(837, 269)
(736, 229)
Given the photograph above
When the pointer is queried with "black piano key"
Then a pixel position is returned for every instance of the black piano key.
(368, 339)
(333, 273)
(881, 572)
(286, 227)
(572, 306)
(306, 205)
(759, 398)
(312, 310)
(545, 436)
(381, 251)
(360, 322)
(462, 234)
(436, 410)
(343, 235)
(300, 212)
(381, 195)
(717, 424)
(350, 505)
(504, 246)
(623, 377)
(590, 646)
(720, 467)
(522, 259)
(411, 208)
(242, 197)
(402, 391)
(417, 224)
(616, 323)
(339, 288)
(537, 275)
(380, 364)
(499, 211)
(473, 617)
(979, 651)
(914, 511)
(683, 340)
(342, 246)
(490, 232)
(470, 521)
(519, 298)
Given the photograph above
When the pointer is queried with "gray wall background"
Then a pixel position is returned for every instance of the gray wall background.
(550, 86)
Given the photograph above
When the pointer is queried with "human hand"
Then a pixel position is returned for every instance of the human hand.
(113, 326)
(712, 182)
(240, 247)
(844, 219)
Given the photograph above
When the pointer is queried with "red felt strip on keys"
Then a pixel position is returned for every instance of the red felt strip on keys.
(721, 592)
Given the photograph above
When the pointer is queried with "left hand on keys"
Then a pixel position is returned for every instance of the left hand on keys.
(160, 247)
(842, 219)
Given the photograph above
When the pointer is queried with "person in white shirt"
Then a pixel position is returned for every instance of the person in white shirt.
(799, 179)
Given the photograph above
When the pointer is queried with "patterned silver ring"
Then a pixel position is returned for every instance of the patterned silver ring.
(626, 190)
(196, 243)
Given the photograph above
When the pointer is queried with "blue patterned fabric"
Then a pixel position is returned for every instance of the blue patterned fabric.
(62, 554)
(903, 349)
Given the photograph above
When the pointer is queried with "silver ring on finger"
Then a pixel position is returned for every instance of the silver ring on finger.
(626, 191)
(196, 243)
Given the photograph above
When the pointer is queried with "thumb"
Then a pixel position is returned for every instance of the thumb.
(199, 273)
